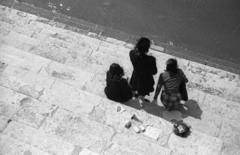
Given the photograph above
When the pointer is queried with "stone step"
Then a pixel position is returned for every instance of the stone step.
(19, 41)
(24, 109)
(8, 58)
(25, 82)
(38, 138)
(24, 55)
(66, 74)
(10, 146)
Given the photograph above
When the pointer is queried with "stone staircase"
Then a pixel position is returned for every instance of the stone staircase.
(52, 100)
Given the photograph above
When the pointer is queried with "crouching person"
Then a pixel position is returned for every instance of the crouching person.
(118, 88)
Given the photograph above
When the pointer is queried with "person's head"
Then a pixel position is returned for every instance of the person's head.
(171, 65)
(143, 45)
(116, 72)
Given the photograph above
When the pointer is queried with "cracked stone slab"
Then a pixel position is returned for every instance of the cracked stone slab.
(10, 102)
(9, 146)
(230, 149)
(25, 82)
(118, 150)
(70, 98)
(221, 107)
(78, 130)
(230, 132)
(133, 141)
(38, 138)
(66, 74)
(34, 114)
(196, 143)
(24, 55)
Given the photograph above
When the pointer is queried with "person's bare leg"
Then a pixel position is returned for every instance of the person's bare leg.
(142, 100)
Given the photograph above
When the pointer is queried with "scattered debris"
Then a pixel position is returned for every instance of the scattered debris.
(136, 129)
(128, 124)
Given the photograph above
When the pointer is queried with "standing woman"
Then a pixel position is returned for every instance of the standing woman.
(144, 67)
(170, 80)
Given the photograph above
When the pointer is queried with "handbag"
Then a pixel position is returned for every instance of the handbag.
(183, 91)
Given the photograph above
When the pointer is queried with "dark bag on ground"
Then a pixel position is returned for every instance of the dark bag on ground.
(181, 129)
(183, 91)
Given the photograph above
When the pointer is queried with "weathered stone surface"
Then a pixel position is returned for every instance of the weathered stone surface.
(87, 152)
(114, 50)
(133, 141)
(51, 52)
(10, 146)
(208, 123)
(211, 80)
(19, 63)
(35, 113)
(25, 82)
(67, 74)
(96, 85)
(221, 107)
(5, 28)
(230, 149)
(78, 130)
(197, 143)
(118, 150)
(37, 60)
(10, 102)
(20, 41)
(230, 132)
(3, 123)
(38, 138)
(70, 98)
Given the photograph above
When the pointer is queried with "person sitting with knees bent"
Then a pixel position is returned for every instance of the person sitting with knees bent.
(118, 88)
(170, 80)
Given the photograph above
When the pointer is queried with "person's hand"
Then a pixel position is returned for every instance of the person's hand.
(154, 101)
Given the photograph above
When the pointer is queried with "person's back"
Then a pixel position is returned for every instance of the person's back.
(144, 67)
(172, 81)
(117, 88)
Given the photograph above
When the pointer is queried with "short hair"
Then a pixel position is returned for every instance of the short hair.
(172, 65)
(143, 45)
(115, 72)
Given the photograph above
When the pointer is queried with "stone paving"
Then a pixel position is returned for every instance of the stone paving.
(52, 100)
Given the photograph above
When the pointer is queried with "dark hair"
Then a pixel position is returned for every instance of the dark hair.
(172, 65)
(142, 45)
(115, 72)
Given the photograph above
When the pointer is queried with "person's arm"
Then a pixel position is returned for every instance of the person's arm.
(159, 87)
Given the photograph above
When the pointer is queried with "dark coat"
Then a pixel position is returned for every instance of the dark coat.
(119, 91)
(142, 77)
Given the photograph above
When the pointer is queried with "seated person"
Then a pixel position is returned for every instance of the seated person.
(118, 88)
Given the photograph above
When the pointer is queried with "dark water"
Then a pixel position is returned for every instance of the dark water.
(210, 27)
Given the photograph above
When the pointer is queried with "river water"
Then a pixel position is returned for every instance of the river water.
(209, 27)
